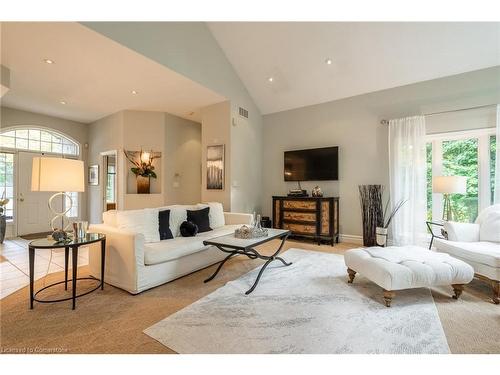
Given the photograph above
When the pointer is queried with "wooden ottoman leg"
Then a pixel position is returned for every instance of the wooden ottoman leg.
(388, 296)
(457, 289)
(352, 274)
(495, 285)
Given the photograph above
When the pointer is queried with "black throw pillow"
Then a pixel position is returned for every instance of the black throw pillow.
(164, 225)
(188, 229)
(200, 218)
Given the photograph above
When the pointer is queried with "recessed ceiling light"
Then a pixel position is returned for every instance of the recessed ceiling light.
(134, 92)
(48, 61)
(270, 79)
(328, 61)
(62, 102)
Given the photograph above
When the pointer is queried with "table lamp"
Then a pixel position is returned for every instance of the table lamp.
(447, 185)
(61, 176)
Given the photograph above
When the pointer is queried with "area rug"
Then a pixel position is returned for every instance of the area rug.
(307, 307)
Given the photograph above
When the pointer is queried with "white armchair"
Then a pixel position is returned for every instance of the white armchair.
(478, 244)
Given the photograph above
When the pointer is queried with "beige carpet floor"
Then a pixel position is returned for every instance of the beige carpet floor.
(112, 321)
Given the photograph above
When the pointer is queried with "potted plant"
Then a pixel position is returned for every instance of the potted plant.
(381, 232)
(143, 169)
(3, 221)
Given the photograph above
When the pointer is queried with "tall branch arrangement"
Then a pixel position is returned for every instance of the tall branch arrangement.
(372, 212)
(143, 166)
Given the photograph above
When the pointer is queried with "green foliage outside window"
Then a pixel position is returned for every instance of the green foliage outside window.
(460, 158)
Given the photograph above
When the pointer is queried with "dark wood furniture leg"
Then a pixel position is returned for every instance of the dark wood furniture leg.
(103, 261)
(457, 289)
(495, 285)
(352, 274)
(388, 296)
(66, 256)
(32, 273)
(74, 255)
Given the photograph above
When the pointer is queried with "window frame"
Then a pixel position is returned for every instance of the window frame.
(483, 169)
(15, 151)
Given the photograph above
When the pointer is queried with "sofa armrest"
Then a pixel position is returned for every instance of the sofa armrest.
(232, 218)
(462, 232)
(124, 256)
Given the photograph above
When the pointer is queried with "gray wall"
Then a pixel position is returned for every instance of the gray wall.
(177, 139)
(76, 130)
(353, 124)
(190, 49)
(182, 158)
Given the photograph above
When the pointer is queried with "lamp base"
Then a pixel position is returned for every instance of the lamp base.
(65, 224)
(447, 211)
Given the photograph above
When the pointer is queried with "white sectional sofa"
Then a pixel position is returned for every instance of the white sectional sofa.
(136, 260)
(477, 244)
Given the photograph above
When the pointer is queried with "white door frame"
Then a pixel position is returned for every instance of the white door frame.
(104, 173)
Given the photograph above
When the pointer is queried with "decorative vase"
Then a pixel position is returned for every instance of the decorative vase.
(3, 226)
(316, 192)
(381, 236)
(143, 185)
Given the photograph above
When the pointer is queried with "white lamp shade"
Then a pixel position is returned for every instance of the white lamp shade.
(57, 174)
(449, 184)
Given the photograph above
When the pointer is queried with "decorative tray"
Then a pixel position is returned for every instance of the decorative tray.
(246, 232)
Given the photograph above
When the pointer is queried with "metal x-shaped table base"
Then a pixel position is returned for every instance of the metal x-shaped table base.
(252, 254)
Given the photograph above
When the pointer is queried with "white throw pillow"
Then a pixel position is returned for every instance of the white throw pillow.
(143, 221)
(462, 232)
(109, 218)
(490, 227)
(215, 214)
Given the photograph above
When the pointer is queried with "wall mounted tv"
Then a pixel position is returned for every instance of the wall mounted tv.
(316, 164)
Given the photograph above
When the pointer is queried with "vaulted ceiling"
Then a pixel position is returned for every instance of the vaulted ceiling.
(91, 76)
(284, 65)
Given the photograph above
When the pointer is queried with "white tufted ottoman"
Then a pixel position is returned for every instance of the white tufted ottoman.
(396, 268)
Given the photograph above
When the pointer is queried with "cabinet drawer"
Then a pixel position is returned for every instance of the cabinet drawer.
(303, 205)
(300, 228)
(299, 216)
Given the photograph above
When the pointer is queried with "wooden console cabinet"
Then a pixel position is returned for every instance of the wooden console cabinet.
(311, 217)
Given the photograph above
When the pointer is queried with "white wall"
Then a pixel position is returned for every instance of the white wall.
(105, 135)
(353, 124)
(216, 130)
(174, 137)
(182, 158)
(190, 49)
(77, 131)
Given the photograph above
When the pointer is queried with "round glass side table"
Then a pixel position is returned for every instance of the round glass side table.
(74, 245)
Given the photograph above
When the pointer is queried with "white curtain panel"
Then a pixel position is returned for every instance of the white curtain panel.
(497, 160)
(407, 173)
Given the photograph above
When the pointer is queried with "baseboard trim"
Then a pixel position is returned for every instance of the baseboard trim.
(351, 238)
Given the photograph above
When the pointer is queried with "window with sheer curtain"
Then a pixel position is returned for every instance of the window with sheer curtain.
(463, 153)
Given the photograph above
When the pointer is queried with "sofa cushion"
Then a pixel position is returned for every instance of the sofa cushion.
(490, 227)
(143, 221)
(483, 252)
(164, 251)
(215, 214)
(200, 218)
(177, 216)
(164, 225)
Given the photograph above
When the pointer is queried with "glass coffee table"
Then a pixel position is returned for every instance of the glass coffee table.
(239, 246)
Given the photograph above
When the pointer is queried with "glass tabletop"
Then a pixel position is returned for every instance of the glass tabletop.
(51, 244)
(229, 240)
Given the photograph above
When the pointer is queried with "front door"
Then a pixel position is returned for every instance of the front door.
(33, 211)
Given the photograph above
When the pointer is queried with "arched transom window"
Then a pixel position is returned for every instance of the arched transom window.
(40, 140)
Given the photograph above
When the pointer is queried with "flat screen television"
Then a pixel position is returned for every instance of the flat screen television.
(316, 164)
